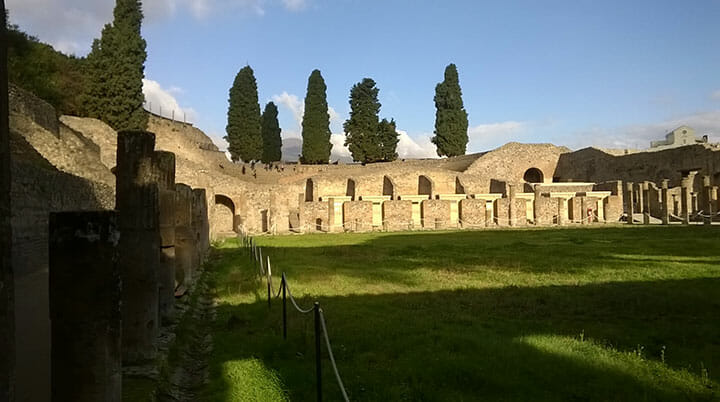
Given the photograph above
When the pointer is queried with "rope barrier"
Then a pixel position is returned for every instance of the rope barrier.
(292, 300)
(332, 358)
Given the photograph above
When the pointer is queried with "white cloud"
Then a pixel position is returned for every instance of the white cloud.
(715, 95)
(295, 5)
(488, 136)
(292, 103)
(162, 101)
(638, 136)
(408, 148)
(339, 150)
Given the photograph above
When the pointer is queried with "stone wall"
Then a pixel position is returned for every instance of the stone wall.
(502, 212)
(435, 214)
(546, 210)
(27, 104)
(472, 213)
(397, 215)
(358, 216)
(314, 216)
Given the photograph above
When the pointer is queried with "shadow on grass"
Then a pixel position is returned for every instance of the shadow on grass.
(510, 343)
(392, 257)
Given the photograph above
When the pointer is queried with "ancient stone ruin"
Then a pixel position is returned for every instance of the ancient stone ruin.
(118, 224)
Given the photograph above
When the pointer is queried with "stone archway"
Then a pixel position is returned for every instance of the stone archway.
(533, 175)
(224, 215)
(309, 190)
(388, 187)
(425, 186)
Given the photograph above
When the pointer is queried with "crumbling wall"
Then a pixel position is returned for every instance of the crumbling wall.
(358, 216)
(502, 212)
(472, 213)
(42, 113)
(397, 215)
(435, 214)
(314, 216)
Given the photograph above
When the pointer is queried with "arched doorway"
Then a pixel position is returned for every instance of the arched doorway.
(459, 188)
(224, 216)
(350, 189)
(533, 175)
(425, 186)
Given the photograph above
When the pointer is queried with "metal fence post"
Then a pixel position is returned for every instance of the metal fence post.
(284, 307)
(318, 366)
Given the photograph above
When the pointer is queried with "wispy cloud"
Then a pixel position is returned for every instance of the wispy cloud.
(162, 101)
(715, 95)
(295, 5)
(483, 137)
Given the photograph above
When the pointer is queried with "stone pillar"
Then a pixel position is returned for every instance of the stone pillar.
(562, 207)
(512, 211)
(7, 282)
(165, 165)
(331, 215)
(629, 202)
(665, 201)
(536, 205)
(301, 212)
(197, 209)
(639, 199)
(85, 292)
(203, 225)
(137, 202)
(185, 244)
(583, 210)
(489, 208)
(646, 202)
(707, 190)
(686, 197)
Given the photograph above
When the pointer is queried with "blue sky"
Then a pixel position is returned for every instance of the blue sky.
(575, 73)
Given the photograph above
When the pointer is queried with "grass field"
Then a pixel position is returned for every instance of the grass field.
(612, 313)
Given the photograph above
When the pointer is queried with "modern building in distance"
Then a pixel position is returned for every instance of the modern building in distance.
(679, 137)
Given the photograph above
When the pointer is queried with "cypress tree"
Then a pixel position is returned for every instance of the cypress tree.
(388, 139)
(243, 127)
(316, 145)
(362, 127)
(272, 142)
(451, 122)
(117, 68)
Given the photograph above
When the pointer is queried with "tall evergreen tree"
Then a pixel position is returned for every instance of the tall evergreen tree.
(243, 127)
(388, 140)
(316, 145)
(272, 142)
(362, 127)
(451, 121)
(117, 68)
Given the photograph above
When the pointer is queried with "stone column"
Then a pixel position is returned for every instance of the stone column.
(301, 212)
(7, 282)
(512, 212)
(185, 244)
(686, 197)
(195, 225)
(583, 211)
(665, 201)
(639, 200)
(646, 202)
(136, 200)
(561, 211)
(165, 165)
(85, 307)
(203, 225)
(707, 190)
(629, 202)
(536, 205)
(489, 208)
(331, 215)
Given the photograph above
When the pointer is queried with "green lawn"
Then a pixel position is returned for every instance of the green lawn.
(612, 313)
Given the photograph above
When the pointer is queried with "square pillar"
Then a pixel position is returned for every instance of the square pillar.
(85, 293)
(665, 201)
(512, 212)
(629, 202)
(707, 189)
(185, 242)
(165, 165)
(686, 186)
(138, 208)
(646, 203)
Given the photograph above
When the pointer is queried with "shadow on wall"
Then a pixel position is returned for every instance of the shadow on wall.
(224, 214)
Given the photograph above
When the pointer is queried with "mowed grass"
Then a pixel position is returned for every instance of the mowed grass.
(611, 313)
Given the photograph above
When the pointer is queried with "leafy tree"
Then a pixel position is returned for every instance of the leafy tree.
(272, 142)
(243, 127)
(316, 145)
(52, 76)
(451, 122)
(117, 67)
(361, 128)
(368, 139)
(388, 139)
